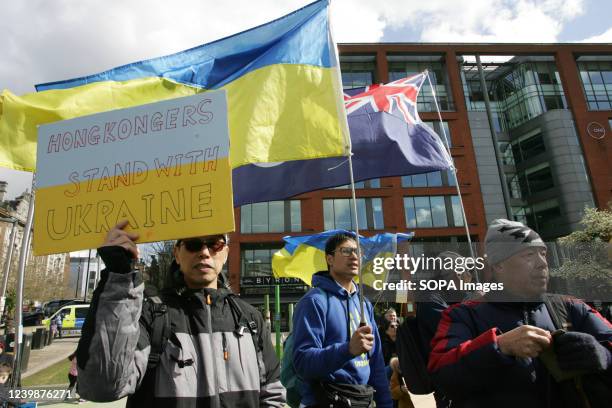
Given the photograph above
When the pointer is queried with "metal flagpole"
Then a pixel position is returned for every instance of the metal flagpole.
(454, 171)
(97, 271)
(23, 257)
(78, 281)
(87, 274)
(7, 265)
(349, 151)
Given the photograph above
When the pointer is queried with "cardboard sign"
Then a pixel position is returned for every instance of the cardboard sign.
(163, 166)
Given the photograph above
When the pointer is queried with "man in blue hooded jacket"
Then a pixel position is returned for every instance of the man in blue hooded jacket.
(330, 347)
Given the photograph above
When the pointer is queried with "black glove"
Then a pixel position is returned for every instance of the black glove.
(581, 351)
(116, 258)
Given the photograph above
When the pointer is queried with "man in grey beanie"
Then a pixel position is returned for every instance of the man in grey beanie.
(497, 352)
(517, 256)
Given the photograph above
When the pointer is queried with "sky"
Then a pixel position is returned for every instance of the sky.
(46, 41)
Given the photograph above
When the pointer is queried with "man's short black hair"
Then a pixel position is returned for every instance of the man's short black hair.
(333, 242)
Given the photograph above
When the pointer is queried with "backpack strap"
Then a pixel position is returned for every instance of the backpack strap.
(557, 306)
(243, 322)
(160, 330)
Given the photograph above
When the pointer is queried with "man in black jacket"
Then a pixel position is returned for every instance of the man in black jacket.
(490, 353)
(215, 349)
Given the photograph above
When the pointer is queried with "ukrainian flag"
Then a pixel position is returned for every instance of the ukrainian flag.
(303, 256)
(282, 79)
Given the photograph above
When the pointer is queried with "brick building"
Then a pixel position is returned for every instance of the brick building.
(550, 107)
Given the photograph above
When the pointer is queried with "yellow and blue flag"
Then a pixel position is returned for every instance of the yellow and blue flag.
(282, 80)
(388, 138)
(303, 256)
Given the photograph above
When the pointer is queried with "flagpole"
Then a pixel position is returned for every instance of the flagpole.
(7, 263)
(349, 151)
(23, 257)
(453, 170)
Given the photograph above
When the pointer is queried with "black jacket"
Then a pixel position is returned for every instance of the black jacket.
(468, 366)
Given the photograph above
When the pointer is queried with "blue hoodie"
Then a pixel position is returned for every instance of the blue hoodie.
(321, 341)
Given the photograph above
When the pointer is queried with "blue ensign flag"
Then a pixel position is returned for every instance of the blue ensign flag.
(388, 139)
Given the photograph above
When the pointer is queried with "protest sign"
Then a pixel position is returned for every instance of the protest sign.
(162, 166)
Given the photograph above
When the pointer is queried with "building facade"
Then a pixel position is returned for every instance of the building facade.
(549, 154)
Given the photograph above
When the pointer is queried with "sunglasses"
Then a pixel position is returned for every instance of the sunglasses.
(347, 251)
(214, 245)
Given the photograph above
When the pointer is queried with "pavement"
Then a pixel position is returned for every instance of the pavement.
(87, 404)
(57, 351)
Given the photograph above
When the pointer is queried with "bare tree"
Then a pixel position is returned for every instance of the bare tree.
(160, 254)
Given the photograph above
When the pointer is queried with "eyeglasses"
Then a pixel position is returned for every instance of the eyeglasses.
(347, 251)
(214, 245)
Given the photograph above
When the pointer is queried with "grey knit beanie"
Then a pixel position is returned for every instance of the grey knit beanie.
(505, 238)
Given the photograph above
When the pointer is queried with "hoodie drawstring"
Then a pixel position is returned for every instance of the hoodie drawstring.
(348, 318)
(225, 351)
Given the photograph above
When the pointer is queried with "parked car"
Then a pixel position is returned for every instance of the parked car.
(73, 317)
(53, 306)
(33, 318)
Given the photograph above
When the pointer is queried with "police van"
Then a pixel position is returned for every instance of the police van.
(73, 317)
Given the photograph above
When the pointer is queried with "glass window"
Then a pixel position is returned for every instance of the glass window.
(337, 214)
(81, 312)
(532, 146)
(513, 186)
(432, 211)
(410, 212)
(276, 216)
(363, 204)
(423, 212)
(245, 219)
(546, 213)
(433, 179)
(257, 260)
(540, 215)
(438, 211)
(296, 216)
(450, 178)
(597, 83)
(374, 183)
(531, 181)
(357, 70)
(259, 217)
(519, 89)
(539, 179)
(272, 216)
(402, 66)
(377, 213)
(419, 180)
(457, 213)
(527, 147)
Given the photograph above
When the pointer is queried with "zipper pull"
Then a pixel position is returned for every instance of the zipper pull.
(208, 300)
(225, 352)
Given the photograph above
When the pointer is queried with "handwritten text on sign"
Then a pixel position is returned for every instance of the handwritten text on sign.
(163, 166)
